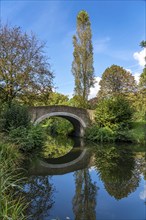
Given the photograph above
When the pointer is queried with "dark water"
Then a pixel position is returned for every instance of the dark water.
(87, 182)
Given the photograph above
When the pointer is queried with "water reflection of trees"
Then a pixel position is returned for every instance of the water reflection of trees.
(39, 194)
(56, 147)
(118, 170)
(84, 201)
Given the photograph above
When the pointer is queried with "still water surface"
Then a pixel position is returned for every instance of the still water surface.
(77, 181)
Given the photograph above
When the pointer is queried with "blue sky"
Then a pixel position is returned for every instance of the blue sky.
(117, 28)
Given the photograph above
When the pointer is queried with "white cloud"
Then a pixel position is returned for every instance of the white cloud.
(94, 90)
(137, 76)
(142, 194)
(140, 57)
(138, 68)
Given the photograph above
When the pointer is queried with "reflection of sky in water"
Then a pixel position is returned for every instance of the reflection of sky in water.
(92, 168)
(127, 208)
(142, 194)
(107, 207)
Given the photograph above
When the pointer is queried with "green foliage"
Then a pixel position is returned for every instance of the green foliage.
(116, 80)
(142, 81)
(56, 147)
(57, 126)
(58, 99)
(14, 117)
(112, 121)
(138, 132)
(9, 151)
(25, 70)
(137, 101)
(97, 134)
(115, 113)
(2, 96)
(112, 158)
(45, 98)
(36, 137)
(10, 182)
(2, 107)
(116, 167)
(16, 122)
(92, 103)
(78, 101)
(82, 66)
(28, 139)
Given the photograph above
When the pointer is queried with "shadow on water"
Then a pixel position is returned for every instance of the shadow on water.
(119, 168)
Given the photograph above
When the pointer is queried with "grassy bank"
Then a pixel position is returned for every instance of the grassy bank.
(11, 206)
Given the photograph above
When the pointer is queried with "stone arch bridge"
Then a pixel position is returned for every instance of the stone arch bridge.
(80, 118)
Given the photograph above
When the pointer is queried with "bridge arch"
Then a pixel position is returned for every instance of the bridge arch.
(78, 124)
(79, 117)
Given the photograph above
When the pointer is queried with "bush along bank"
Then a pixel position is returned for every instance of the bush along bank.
(15, 123)
(113, 123)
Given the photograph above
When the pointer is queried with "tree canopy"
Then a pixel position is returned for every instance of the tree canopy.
(142, 80)
(24, 67)
(82, 66)
(116, 80)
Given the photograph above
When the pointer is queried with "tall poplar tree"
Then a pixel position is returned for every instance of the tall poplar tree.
(82, 66)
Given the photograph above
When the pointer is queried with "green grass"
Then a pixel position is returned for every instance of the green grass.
(11, 207)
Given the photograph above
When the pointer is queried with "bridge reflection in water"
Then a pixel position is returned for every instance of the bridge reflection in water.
(78, 158)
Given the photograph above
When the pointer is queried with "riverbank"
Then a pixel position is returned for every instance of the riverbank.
(136, 134)
(11, 206)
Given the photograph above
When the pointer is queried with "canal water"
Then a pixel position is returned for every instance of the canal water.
(73, 180)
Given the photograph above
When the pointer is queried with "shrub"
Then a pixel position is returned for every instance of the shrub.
(35, 137)
(14, 117)
(29, 138)
(95, 133)
(112, 121)
(115, 113)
